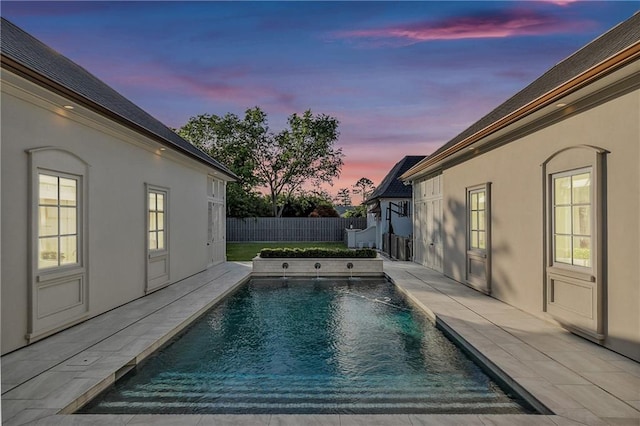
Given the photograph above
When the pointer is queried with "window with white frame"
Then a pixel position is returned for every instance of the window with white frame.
(572, 218)
(58, 216)
(477, 219)
(157, 219)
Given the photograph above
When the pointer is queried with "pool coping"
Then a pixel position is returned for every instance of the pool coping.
(580, 382)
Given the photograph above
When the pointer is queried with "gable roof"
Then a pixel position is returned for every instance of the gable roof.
(612, 50)
(30, 58)
(391, 186)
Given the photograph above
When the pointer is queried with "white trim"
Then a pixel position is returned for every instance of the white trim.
(476, 254)
(160, 257)
(47, 313)
(574, 295)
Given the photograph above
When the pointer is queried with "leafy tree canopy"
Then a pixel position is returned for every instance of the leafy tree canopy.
(303, 153)
(357, 211)
(282, 162)
(303, 203)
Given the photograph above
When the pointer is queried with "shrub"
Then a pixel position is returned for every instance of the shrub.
(316, 252)
(324, 211)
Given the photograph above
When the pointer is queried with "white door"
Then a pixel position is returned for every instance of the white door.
(157, 238)
(433, 244)
(428, 223)
(419, 232)
(216, 240)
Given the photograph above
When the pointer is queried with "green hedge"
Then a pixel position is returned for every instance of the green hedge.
(316, 252)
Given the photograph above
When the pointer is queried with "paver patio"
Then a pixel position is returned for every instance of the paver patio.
(579, 382)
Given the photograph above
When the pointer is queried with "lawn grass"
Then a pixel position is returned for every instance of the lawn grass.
(239, 252)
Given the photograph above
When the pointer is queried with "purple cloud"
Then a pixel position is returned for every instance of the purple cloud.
(487, 25)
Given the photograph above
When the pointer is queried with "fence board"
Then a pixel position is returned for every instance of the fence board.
(263, 229)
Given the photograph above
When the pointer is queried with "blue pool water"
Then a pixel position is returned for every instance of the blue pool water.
(312, 346)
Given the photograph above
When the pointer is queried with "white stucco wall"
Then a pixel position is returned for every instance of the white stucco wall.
(402, 226)
(515, 173)
(120, 163)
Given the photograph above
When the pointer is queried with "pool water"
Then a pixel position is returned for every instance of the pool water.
(309, 346)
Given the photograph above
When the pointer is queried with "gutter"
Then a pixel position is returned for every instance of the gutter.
(596, 72)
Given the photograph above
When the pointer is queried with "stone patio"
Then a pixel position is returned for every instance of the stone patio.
(575, 381)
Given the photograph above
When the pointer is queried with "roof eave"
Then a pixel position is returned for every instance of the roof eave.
(37, 78)
(619, 60)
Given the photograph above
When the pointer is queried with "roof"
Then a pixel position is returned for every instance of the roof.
(391, 186)
(29, 57)
(552, 84)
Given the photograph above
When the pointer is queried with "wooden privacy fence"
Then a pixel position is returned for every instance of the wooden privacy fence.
(264, 229)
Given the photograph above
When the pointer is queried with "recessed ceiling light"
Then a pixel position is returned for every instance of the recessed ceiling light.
(561, 104)
(163, 149)
(68, 106)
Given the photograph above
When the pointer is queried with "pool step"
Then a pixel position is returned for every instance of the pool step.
(303, 395)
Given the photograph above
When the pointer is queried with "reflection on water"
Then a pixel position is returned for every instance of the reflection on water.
(314, 346)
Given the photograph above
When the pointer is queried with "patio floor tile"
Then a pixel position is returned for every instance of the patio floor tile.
(582, 383)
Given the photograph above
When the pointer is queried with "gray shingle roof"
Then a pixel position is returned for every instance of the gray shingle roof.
(391, 186)
(607, 45)
(50, 66)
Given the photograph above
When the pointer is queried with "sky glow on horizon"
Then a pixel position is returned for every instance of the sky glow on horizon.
(402, 78)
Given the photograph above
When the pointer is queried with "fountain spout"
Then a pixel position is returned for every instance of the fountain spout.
(350, 268)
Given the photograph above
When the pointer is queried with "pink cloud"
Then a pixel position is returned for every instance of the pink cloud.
(496, 25)
(215, 84)
(560, 2)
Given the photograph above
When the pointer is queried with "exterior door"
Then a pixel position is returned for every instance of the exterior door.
(157, 238)
(419, 233)
(575, 258)
(216, 242)
(216, 222)
(428, 244)
(478, 259)
(433, 244)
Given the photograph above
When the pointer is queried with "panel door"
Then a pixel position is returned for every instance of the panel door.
(478, 259)
(419, 233)
(216, 242)
(433, 244)
(157, 238)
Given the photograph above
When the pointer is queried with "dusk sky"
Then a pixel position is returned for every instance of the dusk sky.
(402, 78)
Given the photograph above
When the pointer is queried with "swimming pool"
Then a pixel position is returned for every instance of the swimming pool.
(326, 346)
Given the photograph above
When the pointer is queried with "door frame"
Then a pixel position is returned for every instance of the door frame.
(475, 257)
(157, 258)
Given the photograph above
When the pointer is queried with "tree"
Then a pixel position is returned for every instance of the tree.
(304, 153)
(363, 186)
(324, 211)
(343, 198)
(232, 141)
(357, 211)
(281, 162)
(303, 203)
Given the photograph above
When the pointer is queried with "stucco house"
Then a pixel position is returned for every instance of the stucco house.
(101, 203)
(537, 203)
(389, 206)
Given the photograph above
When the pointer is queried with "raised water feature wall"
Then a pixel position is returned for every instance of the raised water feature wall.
(324, 267)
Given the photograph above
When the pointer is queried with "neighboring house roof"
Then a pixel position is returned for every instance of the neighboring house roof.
(612, 50)
(32, 59)
(391, 186)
